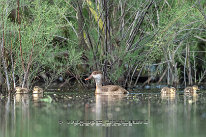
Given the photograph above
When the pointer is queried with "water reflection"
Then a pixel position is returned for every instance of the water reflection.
(190, 98)
(105, 105)
(178, 115)
(169, 97)
(37, 97)
(23, 98)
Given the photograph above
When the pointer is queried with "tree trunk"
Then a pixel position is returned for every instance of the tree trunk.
(80, 22)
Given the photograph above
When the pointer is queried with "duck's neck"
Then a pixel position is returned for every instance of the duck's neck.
(98, 85)
(98, 82)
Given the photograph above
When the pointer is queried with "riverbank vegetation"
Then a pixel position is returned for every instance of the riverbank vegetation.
(131, 42)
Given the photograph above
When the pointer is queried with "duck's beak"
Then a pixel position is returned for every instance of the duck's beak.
(89, 77)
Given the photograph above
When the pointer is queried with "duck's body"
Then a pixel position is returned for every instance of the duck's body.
(109, 89)
(20, 90)
(191, 90)
(167, 90)
(37, 90)
(37, 94)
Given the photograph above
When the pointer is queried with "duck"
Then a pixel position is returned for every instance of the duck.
(37, 93)
(192, 89)
(20, 90)
(37, 90)
(108, 89)
(166, 90)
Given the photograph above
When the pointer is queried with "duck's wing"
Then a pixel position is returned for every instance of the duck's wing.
(116, 89)
(164, 90)
(188, 90)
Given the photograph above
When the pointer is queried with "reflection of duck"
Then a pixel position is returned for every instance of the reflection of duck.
(21, 90)
(109, 89)
(37, 90)
(112, 103)
(192, 89)
(190, 97)
(24, 98)
(170, 97)
(167, 90)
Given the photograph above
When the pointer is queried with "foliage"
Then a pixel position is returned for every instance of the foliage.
(125, 39)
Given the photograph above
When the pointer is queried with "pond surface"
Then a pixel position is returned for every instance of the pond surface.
(82, 114)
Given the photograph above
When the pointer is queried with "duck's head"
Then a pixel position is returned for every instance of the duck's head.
(37, 89)
(97, 75)
(195, 87)
(172, 90)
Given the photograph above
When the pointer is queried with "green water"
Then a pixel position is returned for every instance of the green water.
(145, 114)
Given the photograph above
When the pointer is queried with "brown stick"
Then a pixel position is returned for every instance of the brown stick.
(147, 81)
(12, 64)
(19, 22)
(2, 54)
(28, 66)
(30, 61)
(162, 76)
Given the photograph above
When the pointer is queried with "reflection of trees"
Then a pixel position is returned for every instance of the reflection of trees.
(163, 115)
(170, 115)
(190, 108)
(11, 122)
(105, 106)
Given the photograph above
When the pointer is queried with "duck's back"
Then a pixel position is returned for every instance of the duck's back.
(114, 89)
(165, 90)
(188, 90)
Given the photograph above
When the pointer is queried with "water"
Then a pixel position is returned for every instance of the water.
(82, 114)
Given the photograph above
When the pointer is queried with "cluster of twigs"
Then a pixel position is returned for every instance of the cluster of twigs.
(124, 39)
(134, 37)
